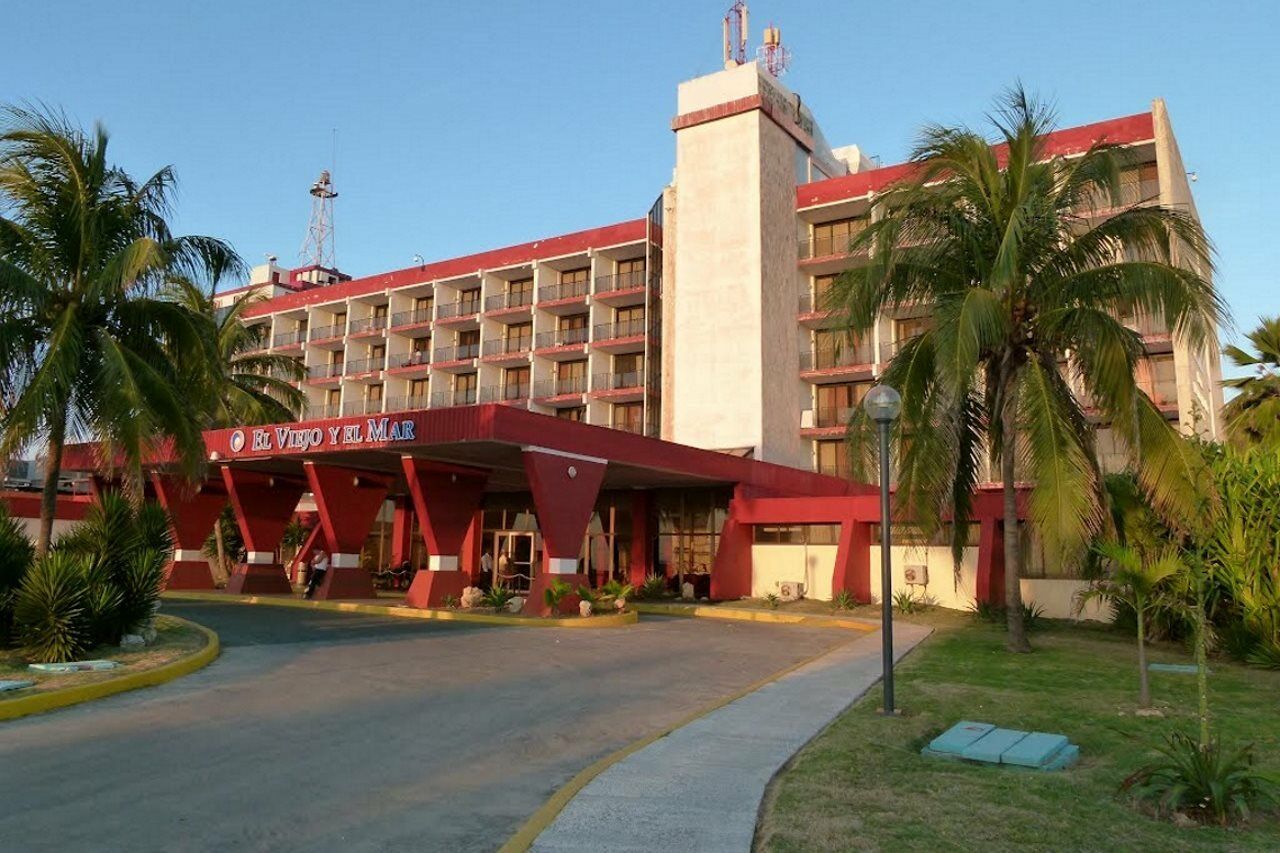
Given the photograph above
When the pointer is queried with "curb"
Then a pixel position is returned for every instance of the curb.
(529, 831)
(613, 620)
(53, 699)
(702, 611)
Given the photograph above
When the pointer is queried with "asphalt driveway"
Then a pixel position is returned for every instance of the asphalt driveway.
(328, 731)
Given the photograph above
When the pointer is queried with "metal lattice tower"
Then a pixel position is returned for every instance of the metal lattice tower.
(735, 35)
(318, 248)
(772, 55)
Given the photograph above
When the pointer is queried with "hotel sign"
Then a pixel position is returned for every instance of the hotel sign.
(300, 439)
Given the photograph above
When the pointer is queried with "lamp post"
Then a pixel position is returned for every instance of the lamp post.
(883, 404)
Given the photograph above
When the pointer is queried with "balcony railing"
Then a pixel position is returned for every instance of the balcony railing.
(557, 387)
(368, 324)
(1131, 193)
(461, 308)
(363, 407)
(1145, 325)
(811, 302)
(510, 393)
(458, 397)
(286, 339)
(562, 337)
(508, 346)
(825, 417)
(1163, 392)
(364, 365)
(410, 359)
(516, 299)
(416, 317)
(564, 290)
(619, 381)
(408, 404)
(827, 245)
(320, 333)
(325, 371)
(623, 329)
(620, 281)
(827, 358)
(632, 426)
(324, 410)
(456, 353)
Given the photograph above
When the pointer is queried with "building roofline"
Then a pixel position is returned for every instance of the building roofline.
(1128, 130)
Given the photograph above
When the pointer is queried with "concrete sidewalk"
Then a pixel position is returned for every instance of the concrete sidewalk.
(700, 787)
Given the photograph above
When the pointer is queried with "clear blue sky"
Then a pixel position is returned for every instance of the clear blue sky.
(465, 126)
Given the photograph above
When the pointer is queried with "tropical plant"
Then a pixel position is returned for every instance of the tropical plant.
(654, 587)
(1137, 583)
(1252, 417)
(1204, 782)
(51, 611)
(1025, 281)
(617, 590)
(772, 600)
(15, 557)
(843, 600)
(497, 597)
(554, 593)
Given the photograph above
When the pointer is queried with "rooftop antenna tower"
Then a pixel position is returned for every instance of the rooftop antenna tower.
(318, 248)
(775, 58)
(735, 35)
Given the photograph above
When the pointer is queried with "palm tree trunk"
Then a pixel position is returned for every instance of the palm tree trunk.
(222, 548)
(1144, 689)
(1017, 641)
(1202, 667)
(49, 495)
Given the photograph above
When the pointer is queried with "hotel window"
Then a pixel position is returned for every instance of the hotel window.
(908, 328)
(822, 285)
(833, 457)
(571, 377)
(340, 322)
(519, 337)
(422, 307)
(1139, 183)
(628, 417)
(836, 403)
(628, 370)
(379, 312)
(515, 383)
(420, 351)
(332, 399)
(464, 389)
(629, 321)
(418, 391)
(833, 238)
(520, 292)
(469, 301)
(301, 327)
(373, 395)
(1158, 379)
(336, 356)
(468, 343)
(378, 353)
(631, 273)
(576, 413)
(572, 329)
(575, 282)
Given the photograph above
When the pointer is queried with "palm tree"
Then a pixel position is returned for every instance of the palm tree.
(1253, 415)
(90, 329)
(1136, 583)
(1024, 281)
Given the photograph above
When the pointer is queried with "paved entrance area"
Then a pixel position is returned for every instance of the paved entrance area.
(327, 731)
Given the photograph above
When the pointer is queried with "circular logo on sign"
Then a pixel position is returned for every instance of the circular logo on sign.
(237, 441)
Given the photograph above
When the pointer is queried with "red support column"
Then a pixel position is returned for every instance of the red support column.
(472, 543)
(731, 570)
(990, 581)
(401, 532)
(641, 538)
(564, 490)
(445, 498)
(296, 571)
(193, 511)
(853, 561)
(263, 504)
(348, 502)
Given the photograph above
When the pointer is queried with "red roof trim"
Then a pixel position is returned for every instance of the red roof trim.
(565, 244)
(1061, 143)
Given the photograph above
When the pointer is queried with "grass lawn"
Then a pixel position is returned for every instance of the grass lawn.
(174, 639)
(862, 784)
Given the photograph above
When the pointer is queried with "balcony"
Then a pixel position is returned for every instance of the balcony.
(448, 399)
(567, 386)
(322, 411)
(504, 349)
(562, 338)
(359, 366)
(410, 362)
(838, 360)
(417, 317)
(463, 309)
(461, 352)
(1155, 334)
(363, 407)
(408, 404)
(826, 420)
(368, 326)
(635, 427)
(509, 301)
(626, 288)
(289, 339)
(328, 333)
(563, 291)
(630, 380)
(623, 336)
(512, 393)
(1131, 193)
(324, 372)
(1163, 392)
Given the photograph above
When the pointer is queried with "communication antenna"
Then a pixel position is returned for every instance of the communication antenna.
(735, 35)
(318, 249)
(775, 58)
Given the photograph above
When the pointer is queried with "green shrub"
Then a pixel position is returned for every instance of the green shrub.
(1203, 782)
(654, 587)
(16, 554)
(905, 601)
(451, 602)
(50, 611)
(997, 614)
(497, 597)
(554, 593)
(617, 590)
(843, 600)
(771, 599)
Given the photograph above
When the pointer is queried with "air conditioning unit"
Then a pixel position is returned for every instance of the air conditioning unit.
(918, 575)
(806, 419)
(790, 590)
